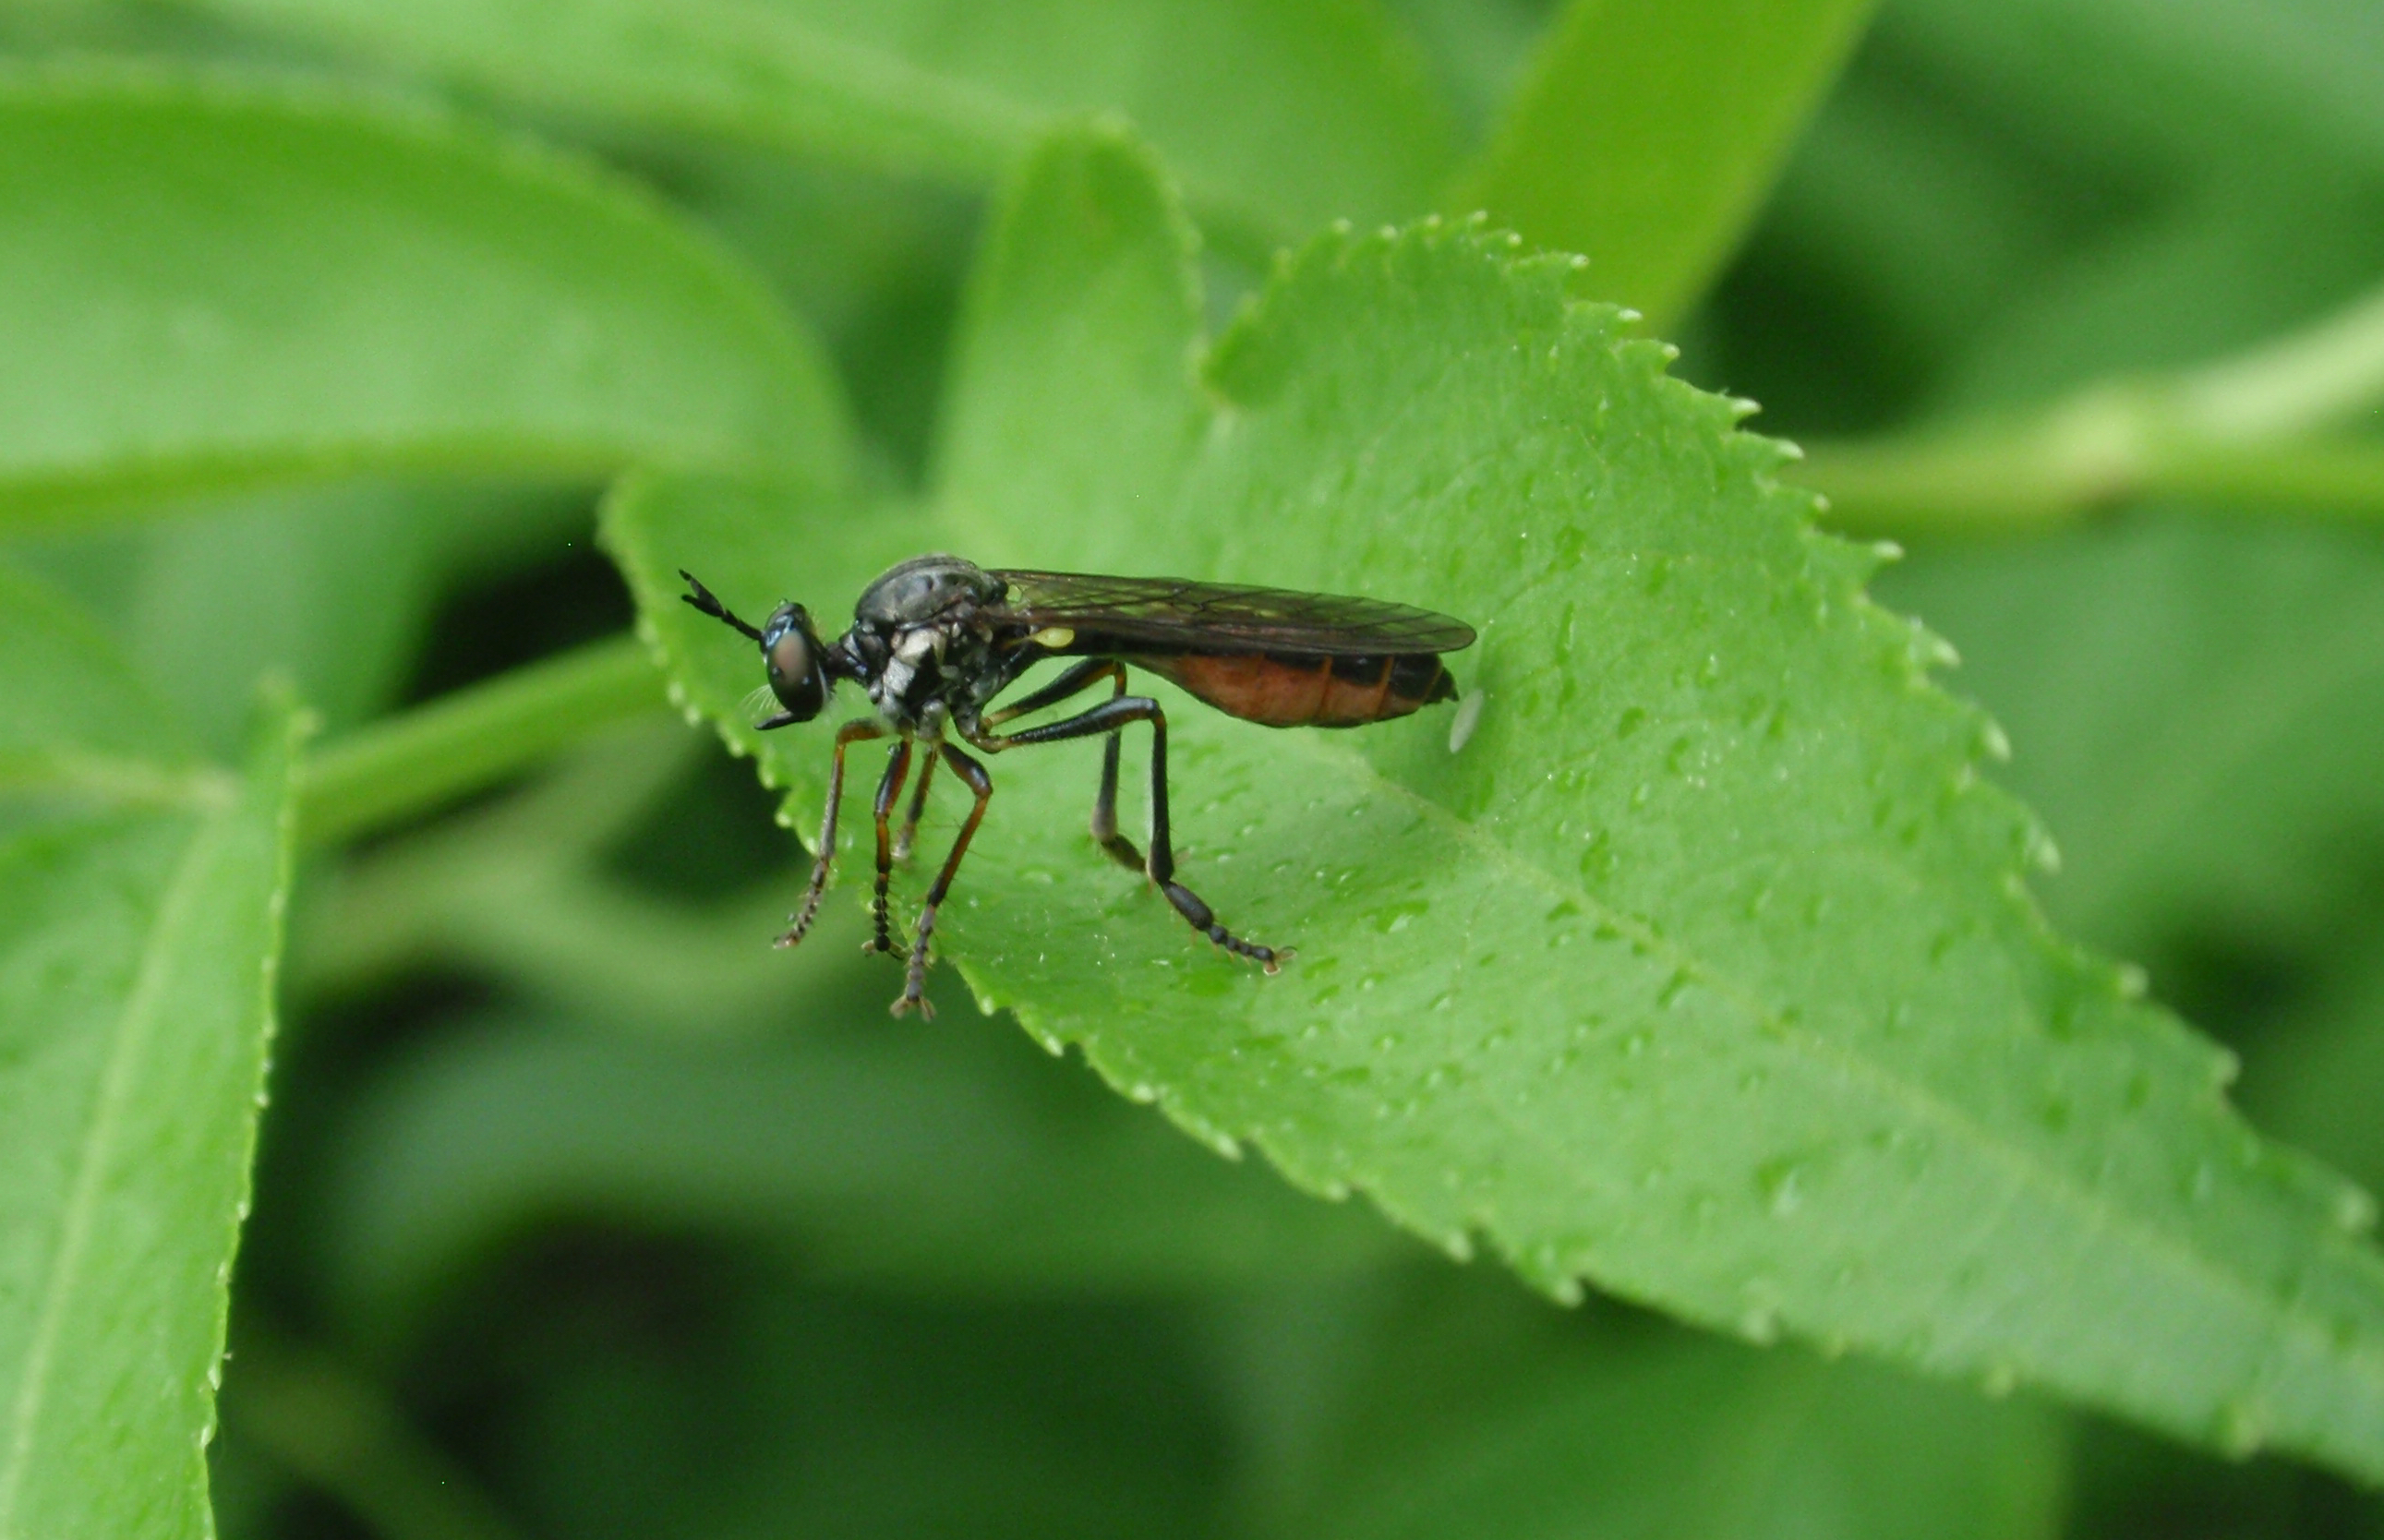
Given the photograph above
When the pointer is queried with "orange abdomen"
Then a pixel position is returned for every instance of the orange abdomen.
(1307, 691)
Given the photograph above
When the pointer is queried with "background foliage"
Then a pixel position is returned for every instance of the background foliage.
(324, 325)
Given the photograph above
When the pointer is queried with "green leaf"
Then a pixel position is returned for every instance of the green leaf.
(306, 284)
(137, 947)
(1647, 133)
(1704, 969)
(1282, 113)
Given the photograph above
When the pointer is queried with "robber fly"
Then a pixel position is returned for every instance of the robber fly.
(936, 638)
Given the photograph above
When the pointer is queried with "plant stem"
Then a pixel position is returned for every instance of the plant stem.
(2240, 432)
(473, 738)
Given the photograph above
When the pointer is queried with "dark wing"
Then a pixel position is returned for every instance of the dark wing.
(1172, 615)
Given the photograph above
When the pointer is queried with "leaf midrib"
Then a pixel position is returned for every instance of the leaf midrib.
(142, 1008)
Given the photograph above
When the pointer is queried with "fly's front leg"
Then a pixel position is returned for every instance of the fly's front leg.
(890, 789)
(910, 835)
(801, 920)
(1112, 716)
(914, 981)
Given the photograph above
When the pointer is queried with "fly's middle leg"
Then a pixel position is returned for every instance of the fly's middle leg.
(890, 790)
(908, 835)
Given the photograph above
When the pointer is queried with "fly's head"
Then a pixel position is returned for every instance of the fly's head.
(798, 664)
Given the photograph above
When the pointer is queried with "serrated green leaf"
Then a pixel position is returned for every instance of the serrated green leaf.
(305, 284)
(960, 90)
(1705, 970)
(137, 946)
(1647, 133)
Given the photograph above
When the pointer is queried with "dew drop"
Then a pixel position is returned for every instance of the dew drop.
(2043, 853)
(1781, 1183)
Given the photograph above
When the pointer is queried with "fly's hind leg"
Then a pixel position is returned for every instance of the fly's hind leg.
(1105, 825)
(1073, 681)
(1111, 717)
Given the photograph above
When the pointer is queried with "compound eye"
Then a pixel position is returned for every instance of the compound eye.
(795, 675)
(791, 656)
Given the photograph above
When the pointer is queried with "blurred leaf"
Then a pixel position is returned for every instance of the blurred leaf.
(2316, 1077)
(1228, 88)
(137, 947)
(936, 1161)
(2199, 710)
(332, 588)
(321, 1420)
(2225, 271)
(752, 1406)
(2176, 87)
(1483, 1416)
(1647, 133)
(1475, 48)
(1706, 970)
(307, 284)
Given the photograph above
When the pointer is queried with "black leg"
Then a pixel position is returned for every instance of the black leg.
(1073, 681)
(914, 980)
(1105, 826)
(700, 599)
(910, 835)
(889, 789)
(801, 920)
(1111, 716)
